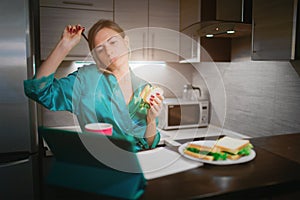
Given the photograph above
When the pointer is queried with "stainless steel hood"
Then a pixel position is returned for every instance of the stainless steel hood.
(223, 18)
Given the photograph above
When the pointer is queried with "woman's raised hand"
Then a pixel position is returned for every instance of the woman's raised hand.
(69, 39)
(72, 35)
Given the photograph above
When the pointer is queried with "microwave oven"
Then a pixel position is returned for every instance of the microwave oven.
(179, 113)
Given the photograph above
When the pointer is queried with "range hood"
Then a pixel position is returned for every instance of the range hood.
(225, 29)
(223, 18)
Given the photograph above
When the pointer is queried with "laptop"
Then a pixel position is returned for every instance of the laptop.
(94, 163)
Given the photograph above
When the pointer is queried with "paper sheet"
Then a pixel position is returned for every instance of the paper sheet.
(161, 162)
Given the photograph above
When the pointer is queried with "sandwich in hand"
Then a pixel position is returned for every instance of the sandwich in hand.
(224, 148)
(146, 94)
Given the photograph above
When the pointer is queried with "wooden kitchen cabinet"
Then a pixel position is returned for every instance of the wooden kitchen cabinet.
(273, 31)
(165, 39)
(53, 20)
(132, 16)
(152, 27)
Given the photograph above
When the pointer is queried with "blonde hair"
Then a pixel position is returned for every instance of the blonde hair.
(103, 23)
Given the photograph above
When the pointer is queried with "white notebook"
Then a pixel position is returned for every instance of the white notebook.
(161, 162)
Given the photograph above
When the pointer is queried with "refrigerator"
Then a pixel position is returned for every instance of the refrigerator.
(19, 141)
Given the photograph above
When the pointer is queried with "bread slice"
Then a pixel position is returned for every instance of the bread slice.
(213, 149)
(231, 145)
(198, 155)
(233, 157)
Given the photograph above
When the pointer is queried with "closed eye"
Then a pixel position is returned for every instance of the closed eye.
(113, 40)
(99, 49)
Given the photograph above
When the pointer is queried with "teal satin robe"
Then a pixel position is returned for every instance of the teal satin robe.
(94, 96)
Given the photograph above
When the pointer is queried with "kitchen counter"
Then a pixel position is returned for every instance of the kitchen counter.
(286, 146)
(189, 133)
(274, 173)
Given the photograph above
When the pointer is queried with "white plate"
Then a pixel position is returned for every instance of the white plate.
(211, 143)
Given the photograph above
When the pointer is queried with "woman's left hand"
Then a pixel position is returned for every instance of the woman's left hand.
(155, 107)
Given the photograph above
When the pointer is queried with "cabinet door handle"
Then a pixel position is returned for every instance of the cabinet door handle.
(144, 39)
(152, 48)
(294, 30)
(14, 163)
(252, 39)
(78, 3)
(195, 44)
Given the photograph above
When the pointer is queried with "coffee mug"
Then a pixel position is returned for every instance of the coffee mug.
(102, 128)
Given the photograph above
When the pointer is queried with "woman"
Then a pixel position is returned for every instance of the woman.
(107, 92)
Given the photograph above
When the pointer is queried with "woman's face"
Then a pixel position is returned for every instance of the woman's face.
(110, 48)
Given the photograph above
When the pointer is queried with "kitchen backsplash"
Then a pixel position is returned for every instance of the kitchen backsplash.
(262, 97)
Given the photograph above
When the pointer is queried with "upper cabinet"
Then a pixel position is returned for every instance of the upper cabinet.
(56, 14)
(274, 29)
(152, 27)
(164, 38)
(132, 16)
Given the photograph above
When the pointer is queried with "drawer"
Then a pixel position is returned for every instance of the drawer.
(105, 5)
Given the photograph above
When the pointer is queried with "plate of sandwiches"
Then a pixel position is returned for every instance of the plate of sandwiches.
(224, 151)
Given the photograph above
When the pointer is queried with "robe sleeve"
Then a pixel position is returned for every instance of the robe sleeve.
(54, 94)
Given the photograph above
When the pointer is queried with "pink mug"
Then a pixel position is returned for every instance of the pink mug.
(102, 128)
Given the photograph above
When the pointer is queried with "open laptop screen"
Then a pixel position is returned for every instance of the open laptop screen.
(91, 149)
(94, 163)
